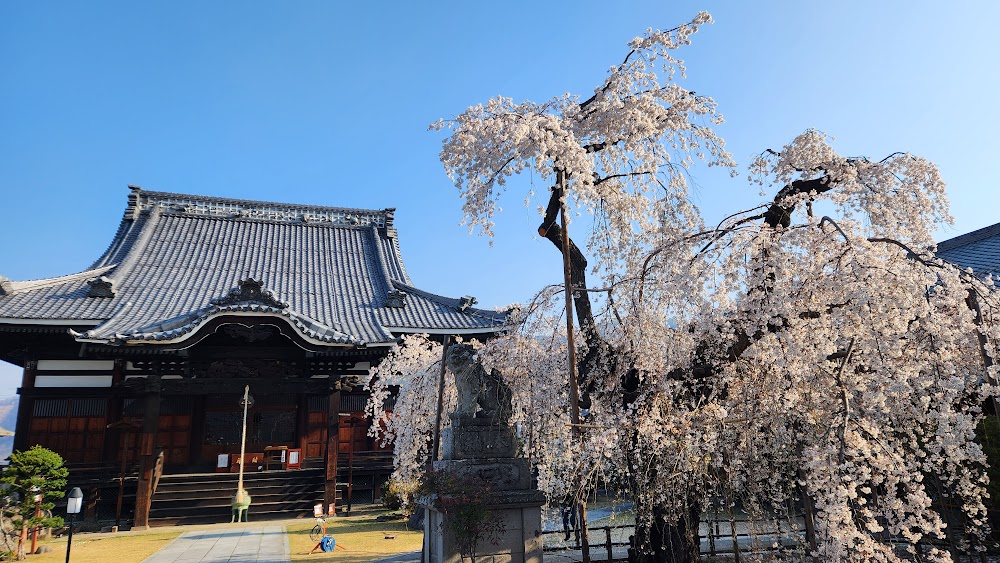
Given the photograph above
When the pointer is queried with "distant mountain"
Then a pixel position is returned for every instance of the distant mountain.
(8, 420)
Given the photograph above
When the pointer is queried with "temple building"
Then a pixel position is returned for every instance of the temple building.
(135, 369)
(979, 250)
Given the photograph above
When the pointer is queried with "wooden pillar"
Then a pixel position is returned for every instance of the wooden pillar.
(25, 406)
(197, 431)
(332, 449)
(112, 434)
(302, 422)
(147, 451)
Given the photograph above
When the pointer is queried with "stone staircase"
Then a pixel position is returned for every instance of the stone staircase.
(204, 498)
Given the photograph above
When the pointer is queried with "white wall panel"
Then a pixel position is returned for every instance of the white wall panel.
(73, 381)
(76, 365)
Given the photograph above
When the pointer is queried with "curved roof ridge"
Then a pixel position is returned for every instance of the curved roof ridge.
(122, 309)
(213, 205)
(181, 327)
(398, 260)
(125, 228)
(382, 261)
(28, 285)
(444, 300)
(135, 250)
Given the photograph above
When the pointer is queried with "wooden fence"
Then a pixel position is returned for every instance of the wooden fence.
(732, 535)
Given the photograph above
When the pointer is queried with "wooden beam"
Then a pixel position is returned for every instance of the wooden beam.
(302, 422)
(261, 386)
(112, 436)
(76, 392)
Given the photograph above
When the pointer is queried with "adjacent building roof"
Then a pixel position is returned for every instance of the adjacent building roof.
(979, 250)
(335, 275)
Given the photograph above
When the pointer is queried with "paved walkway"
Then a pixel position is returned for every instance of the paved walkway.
(247, 544)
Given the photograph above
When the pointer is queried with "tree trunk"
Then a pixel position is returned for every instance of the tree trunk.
(659, 543)
(667, 542)
(21, 541)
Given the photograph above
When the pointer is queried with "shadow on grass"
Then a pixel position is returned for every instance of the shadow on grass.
(356, 524)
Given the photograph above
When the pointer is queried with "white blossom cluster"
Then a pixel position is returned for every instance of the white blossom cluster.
(621, 149)
(785, 358)
(413, 370)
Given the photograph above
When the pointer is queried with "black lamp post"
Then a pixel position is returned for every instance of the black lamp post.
(73, 505)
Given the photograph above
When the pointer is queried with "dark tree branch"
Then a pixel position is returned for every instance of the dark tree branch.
(595, 147)
(780, 212)
(597, 347)
(552, 231)
(601, 180)
(607, 83)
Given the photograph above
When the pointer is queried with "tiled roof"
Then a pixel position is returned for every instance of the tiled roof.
(179, 260)
(979, 250)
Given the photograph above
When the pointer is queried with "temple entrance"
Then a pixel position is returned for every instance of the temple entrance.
(271, 423)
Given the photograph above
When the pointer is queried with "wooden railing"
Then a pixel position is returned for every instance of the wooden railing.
(603, 540)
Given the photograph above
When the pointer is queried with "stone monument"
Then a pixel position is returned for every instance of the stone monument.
(482, 452)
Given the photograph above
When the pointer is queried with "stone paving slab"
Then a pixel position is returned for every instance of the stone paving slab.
(244, 544)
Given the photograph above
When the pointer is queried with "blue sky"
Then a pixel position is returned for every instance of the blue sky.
(328, 103)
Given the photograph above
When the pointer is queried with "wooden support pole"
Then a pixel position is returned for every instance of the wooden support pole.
(302, 422)
(147, 443)
(243, 444)
(436, 444)
(809, 515)
(574, 384)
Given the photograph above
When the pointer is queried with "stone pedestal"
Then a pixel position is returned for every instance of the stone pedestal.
(483, 452)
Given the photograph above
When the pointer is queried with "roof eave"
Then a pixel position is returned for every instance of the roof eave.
(52, 322)
(451, 331)
(194, 334)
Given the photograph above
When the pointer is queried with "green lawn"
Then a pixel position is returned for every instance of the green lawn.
(123, 548)
(363, 538)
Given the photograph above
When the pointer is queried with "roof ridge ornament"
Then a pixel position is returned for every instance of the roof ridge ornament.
(465, 302)
(6, 288)
(390, 216)
(101, 286)
(250, 290)
(134, 203)
(395, 299)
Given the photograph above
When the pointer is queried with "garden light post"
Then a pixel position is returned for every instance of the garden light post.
(73, 505)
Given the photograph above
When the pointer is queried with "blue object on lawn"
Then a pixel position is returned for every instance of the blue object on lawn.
(327, 543)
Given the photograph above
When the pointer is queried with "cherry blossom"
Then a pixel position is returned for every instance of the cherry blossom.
(811, 352)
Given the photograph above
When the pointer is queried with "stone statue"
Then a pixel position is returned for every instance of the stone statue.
(480, 394)
(483, 454)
